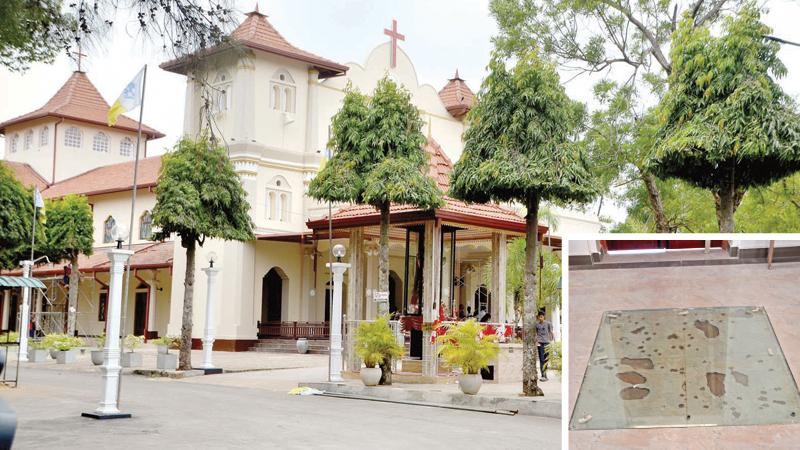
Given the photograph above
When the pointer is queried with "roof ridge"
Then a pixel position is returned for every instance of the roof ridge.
(99, 168)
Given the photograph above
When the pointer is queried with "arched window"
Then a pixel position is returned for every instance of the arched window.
(100, 142)
(73, 137)
(221, 92)
(284, 215)
(108, 226)
(282, 91)
(44, 136)
(146, 226)
(271, 205)
(279, 199)
(14, 143)
(125, 146)
(28, 142)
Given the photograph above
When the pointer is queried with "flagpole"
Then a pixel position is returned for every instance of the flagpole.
(33, 232)
(130, 232)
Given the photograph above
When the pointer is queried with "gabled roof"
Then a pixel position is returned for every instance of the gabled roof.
(487, 215)
(457, 96)
(79, 100)
(257, 33)
(107, 179)
(26, 175)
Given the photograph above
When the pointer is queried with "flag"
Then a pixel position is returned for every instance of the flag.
(130, 98)
(37, 199)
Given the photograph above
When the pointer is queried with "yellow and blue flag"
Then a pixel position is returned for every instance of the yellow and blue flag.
(130, 98)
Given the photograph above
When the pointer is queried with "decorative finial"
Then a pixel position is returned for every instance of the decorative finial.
(257, 6)
(457, 77)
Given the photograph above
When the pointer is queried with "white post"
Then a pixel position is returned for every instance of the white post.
(211, 321)
(556, 322)
(338, 269)
(6, 309)
(25, 314)
(151, 307)
(111, 352)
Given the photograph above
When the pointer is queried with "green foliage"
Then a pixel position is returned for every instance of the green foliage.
(61, 342)
(169, 341)
(100, 341)
(550, 275)
(520, 142)
(16, 213)
(199, 195)
(38, 344)
(462, 346)
(133, 342)
(553, 350)
(375, 342)
(69, 228)
(725, 121)
(378, 152)
(31, 31)
(11, 336)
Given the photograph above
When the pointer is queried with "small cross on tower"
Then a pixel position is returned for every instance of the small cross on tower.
(80, 56)
(395, 37)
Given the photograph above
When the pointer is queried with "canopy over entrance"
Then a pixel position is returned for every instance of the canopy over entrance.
(21, 282)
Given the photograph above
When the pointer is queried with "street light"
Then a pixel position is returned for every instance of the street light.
(338, 252)
(119, 233)
(211, 326)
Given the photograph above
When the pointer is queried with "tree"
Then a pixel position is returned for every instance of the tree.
(378, 160)
(199, 196)
(35, 30)
(726, 125)
(69, 233)
(16, 215)
(520, 147)
(601, 36)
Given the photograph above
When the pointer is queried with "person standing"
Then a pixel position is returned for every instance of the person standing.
(544, 335)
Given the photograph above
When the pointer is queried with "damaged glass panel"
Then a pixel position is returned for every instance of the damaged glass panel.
(686, 367)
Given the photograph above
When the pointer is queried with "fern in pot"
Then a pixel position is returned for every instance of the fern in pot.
(97, 353)
(37, 351)
(463, 346)
(164, 359)
(65, 346)
(375, 344)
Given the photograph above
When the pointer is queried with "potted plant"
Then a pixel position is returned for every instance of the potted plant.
(462, 346)
(553, 351)
(164, 359)
(37, 351)
(131, 358)
(64, 346)
(375, 344)
(97, 354)
(9, 337)
(49, 343)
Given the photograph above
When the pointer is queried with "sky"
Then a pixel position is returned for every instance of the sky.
(441, 36)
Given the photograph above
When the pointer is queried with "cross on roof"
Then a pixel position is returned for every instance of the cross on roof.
(395, 37)
(80, 57)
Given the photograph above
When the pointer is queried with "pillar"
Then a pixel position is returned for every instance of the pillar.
(211, 317)
(37, 311)
(338, 270)
(555, 320)
(371, 250)
(430, 294)
(312, 112)
(355, 294)
(499, 262)
(25, 313)
(6, 309)
(151, 309)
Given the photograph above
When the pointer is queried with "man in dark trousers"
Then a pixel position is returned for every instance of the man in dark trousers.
(544, 335)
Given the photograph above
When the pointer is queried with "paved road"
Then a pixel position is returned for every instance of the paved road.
(178, 414)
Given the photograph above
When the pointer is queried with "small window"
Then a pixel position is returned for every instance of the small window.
(282, 92)
(126, 147)
(73, 137)
(28, 142)
(100, 143)
(14, 143)
(220, 95)
(108, 226)
(146, 226)
(276, 98)
(44, 136)
(279, 195)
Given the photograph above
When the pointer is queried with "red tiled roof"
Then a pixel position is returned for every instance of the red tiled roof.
(79, 100)
(489, 215)
(105, 179)
(457, 96)
(256, 32)
(152, 255)
(26, 174)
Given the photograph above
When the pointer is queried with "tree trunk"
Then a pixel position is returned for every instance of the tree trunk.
(383, 283)
(530, 379)
(72, 304)
(654, 195)
(185, 358)
(726, 200)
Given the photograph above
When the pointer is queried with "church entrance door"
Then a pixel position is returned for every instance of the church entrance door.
(271, 296)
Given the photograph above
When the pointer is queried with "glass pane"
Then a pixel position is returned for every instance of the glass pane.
(686, 367)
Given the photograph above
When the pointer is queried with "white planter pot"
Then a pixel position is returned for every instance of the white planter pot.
(470, 383)
(167, 361)
(97, 357)
(53, 353)
(302, 345)
(38, 355)
(66, 356)
(131, 359)
(163, 349)
(370, 376)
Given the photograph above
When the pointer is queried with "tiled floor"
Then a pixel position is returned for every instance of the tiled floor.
(595, 291)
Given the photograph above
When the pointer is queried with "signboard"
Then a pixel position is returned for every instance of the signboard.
(379, 296)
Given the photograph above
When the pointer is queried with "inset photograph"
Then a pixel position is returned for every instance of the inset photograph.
(684, 343)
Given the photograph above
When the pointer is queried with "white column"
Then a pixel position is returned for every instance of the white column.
(111, 352)
(338, 269)
(430, 294)
(25, 314)
(151, 307)
(371, 249)
(312, 112)
(556, 322)
(6, 309)
(499, 260)
(37, 311)
(211, 320)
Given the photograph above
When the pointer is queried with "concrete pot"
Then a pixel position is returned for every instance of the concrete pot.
(66, 356)
(167, 361)
(38, 355)
(370, 376)
(470, 383)
(163, 349)
(302, 345)
(97, 357)
(53, 353)
(131, 359)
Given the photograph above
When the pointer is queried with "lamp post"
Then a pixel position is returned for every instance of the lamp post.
(211, 328)
(109, 406)
(335, 355)
(25, 314)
